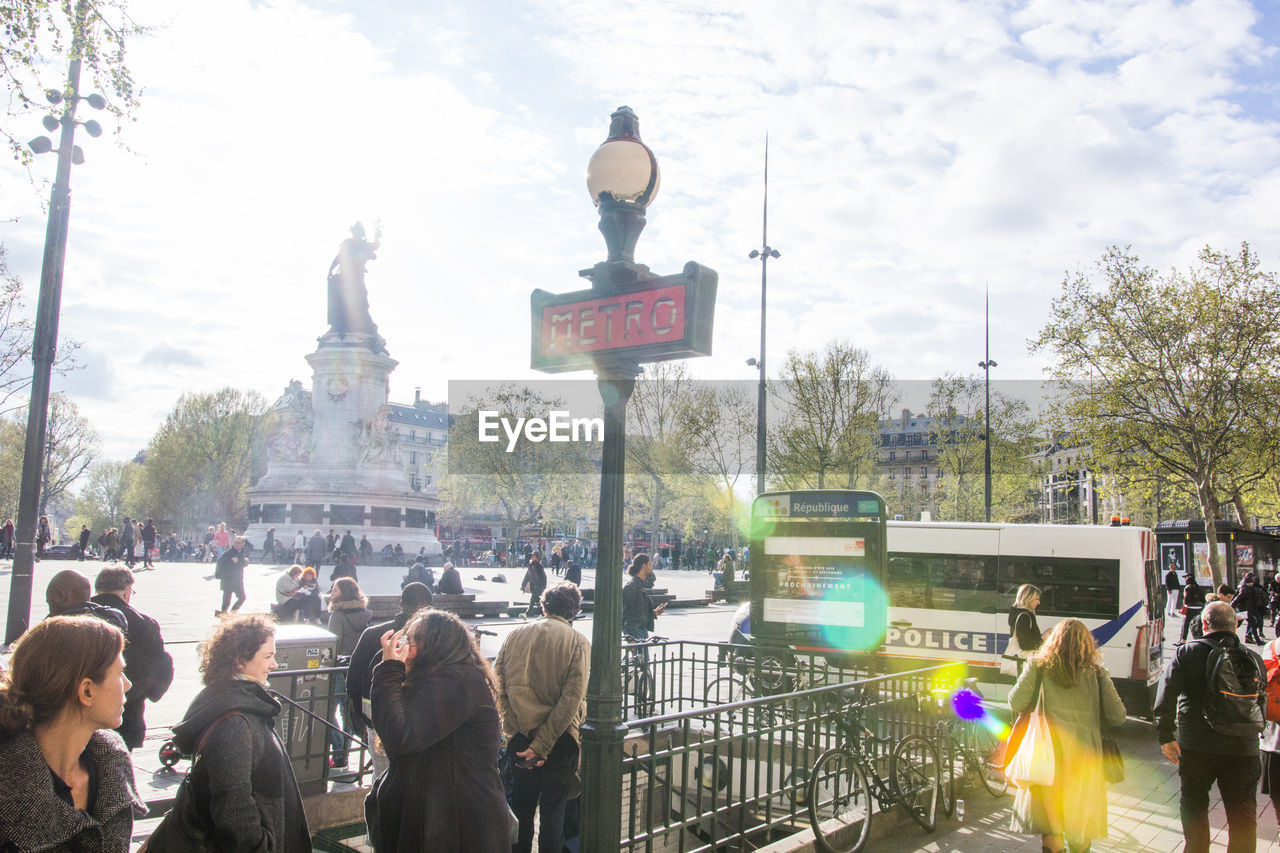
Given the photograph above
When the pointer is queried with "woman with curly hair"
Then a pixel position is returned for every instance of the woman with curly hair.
(66, 782)
(435, 712)
(1076, 694)
(243, 795)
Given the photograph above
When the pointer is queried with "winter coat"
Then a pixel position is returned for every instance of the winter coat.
(1181, 695)
(366, 656)
(450, 582)
(347, 620)
(535, 579)
(1073, 714)
(230, 568)
(1023, 626)
(242, 785)
(33, 817)
(1252, 600)
(146, 664)
(316, 550)
(542, 672)
(637, 609)
(441, 733)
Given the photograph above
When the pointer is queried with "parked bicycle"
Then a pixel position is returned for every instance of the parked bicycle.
(967, 748)
(638, 683)
(845, 785)
(771, 675)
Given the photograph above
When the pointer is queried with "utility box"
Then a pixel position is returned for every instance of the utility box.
(301, 648)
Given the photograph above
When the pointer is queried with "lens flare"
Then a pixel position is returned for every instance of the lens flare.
(863, 593)
(967, 705)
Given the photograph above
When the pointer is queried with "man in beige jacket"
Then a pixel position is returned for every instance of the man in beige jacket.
(542, 679)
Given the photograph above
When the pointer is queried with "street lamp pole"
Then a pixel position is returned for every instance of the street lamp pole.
(48, 308)
(986, 366)
(764, 253)
(622, 178)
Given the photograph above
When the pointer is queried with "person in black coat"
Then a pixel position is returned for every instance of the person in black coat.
(146, 663)
(344, 568)
(230, 575)
(573, 573)
(535, 581)
(85, 536)
(1022, 622)
(368, 654)
(243, 791)
(316, 550)
(450, 581)
(1193, 599)
(1253, 601)
(435, 711)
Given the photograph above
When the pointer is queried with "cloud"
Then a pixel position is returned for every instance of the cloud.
(170, 356)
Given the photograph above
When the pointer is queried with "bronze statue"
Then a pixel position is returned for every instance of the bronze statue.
(348, 297)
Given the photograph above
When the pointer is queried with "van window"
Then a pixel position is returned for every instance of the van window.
(1084, 588)
(942, 581)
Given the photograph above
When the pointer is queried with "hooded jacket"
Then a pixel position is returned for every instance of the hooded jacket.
(33, 817)
(242, 783)
(347, 620)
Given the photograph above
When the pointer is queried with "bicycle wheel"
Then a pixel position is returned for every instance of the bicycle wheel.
(950, 756)
(915, 775)
(980, 758)
(643, 695)
(725, 689)
(839, 803)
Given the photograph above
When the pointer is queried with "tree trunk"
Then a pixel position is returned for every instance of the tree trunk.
(1238, 500)
(1209, 511)
(657, 520)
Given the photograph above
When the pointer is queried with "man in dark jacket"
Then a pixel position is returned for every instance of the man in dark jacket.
(147, 665)
(368, 654)
(450, 581)
(638, 612)
(230, 575)
(148, 543)
(85, 536)
(348, 546)
(1253, 601)
(68, 595)
(344, 568)
(1203, 755)
(126, 541)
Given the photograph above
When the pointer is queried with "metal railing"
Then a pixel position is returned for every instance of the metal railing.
(306, 725)
(723, 761)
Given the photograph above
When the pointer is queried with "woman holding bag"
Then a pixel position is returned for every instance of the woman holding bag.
(1066, 682)
(1024, 631)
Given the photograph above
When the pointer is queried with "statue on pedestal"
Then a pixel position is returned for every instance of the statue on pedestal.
(348, 296)
(377, 440)
(290, 440)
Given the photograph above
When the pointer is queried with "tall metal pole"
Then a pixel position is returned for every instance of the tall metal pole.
(986, 364)
(763, 253)
(43, 350)
(602, 731)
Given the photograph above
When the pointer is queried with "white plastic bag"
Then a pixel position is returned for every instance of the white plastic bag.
(1033, 763)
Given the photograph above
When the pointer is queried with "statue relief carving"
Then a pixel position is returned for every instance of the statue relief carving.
(290, 440)
(377, 440)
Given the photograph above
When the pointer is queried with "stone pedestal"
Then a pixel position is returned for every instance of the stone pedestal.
(335, 460)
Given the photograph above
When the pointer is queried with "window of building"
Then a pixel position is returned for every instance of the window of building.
(413, 435)
(891, 456)
(924, 472)
(413, 457)
(924, 455)
(937, 472)
(907, 456)
(893, 475)
(906, 473)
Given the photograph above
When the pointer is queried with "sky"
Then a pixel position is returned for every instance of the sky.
(919, 154)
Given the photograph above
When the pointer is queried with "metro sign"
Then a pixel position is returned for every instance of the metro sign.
(654, 319)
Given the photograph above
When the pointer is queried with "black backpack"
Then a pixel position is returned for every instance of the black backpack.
(1235, 683)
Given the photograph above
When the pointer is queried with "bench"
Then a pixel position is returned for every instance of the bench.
(466, 605)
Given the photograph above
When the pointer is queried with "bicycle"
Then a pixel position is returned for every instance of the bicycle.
(772, 676)
(845, 778)
(968, 744)
(637, 677)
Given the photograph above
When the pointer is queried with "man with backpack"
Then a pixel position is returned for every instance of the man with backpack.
(1212, 695)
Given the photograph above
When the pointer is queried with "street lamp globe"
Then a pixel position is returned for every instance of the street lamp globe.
(622, 178)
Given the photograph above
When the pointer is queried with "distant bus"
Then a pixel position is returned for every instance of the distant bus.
(951, 586)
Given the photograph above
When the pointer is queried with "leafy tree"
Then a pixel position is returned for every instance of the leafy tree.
(197, 464)
(720, 422)
(831, 403)
(956, 406)
(71, 446)
(1171, 372)
(522, 485)
(40, 36)
(16, 337)
(658, 441)
(101, 502)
